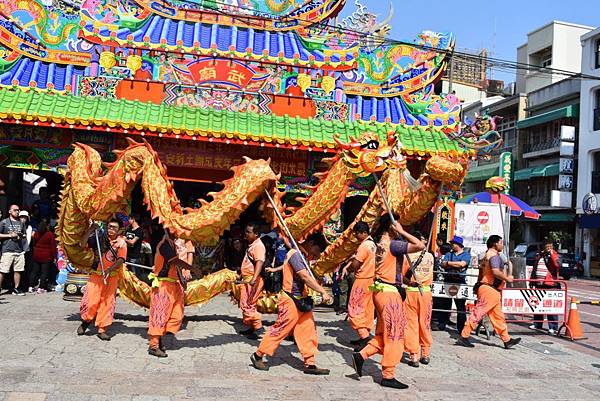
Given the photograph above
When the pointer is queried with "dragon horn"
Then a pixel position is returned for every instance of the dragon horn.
(341, 144)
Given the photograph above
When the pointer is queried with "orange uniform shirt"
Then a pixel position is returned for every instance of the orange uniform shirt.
(386, 264)
(365, 254)
(159, 260)
(491, 260)
(120, 247)
(424, 270)
(255, 252)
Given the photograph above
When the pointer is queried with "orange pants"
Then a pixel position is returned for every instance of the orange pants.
(488, 303)
(166, 311)
(417, 338)
(389, 332)
(360, 307)
(290, 319)
(98, 301)
(248, 297)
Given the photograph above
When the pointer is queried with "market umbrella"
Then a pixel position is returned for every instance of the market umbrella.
(516, 205)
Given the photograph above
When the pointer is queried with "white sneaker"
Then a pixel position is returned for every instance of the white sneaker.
(552, 332)
(32, 290)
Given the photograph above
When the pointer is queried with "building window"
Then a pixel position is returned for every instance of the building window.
(597, 54)
(543, 58)
(596, 124)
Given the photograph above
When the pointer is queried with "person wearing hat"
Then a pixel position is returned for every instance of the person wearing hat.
(455, 266)
(28, 234)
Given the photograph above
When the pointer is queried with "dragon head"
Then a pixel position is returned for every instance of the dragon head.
(365, 155)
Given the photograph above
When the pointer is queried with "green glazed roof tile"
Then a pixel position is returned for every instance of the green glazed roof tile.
(127, 114)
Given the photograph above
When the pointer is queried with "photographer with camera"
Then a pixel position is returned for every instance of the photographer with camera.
(12, 233)
(546, 267)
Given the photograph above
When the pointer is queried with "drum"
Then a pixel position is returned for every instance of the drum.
(75, 286)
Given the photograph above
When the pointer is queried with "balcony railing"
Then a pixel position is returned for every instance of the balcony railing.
(536, 147)
(542, 200)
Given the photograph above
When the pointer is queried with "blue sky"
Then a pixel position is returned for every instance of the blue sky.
(473, 22)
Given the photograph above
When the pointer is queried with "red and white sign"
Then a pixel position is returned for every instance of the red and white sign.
(534, 301)
(483, 217)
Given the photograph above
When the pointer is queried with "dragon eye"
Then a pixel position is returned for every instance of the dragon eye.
(371, 145)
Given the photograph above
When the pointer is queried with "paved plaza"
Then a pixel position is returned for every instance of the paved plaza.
(41, 358)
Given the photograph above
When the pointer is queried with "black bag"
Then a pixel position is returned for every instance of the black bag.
(273, 282)
(304, 304)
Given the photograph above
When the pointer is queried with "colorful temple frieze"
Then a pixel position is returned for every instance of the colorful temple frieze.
(256, 71)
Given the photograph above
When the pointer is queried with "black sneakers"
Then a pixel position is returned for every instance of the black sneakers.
(157, 352)
(314, 370)
(464, 342)
(17, 292)
(357, 363)
(424, 360)
(258, 362)
(82, 328)
(512, 342)
(103, 336)
(393, 383)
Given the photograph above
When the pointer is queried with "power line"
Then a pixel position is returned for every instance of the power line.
(359, 35)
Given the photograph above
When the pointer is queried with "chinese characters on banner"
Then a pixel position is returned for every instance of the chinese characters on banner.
(506, 169)
(525, 301)
(220, 156)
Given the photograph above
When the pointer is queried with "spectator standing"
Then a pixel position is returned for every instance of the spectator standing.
(455, 265)
(133, 238)
(28, 230)
(44, 204)
(546, 267)
(12, 234)
(235, 255)
(44, 254)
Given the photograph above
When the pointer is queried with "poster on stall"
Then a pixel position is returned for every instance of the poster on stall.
(475, 222)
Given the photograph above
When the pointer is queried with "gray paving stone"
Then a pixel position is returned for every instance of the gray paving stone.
(41, 354)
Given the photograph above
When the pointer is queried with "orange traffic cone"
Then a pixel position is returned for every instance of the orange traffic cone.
(573, 325)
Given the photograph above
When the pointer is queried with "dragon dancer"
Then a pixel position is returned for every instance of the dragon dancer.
(295, 315)
(391, 320)
(253, 282)
(492, 279)
(418, 304)
(98, 300)
(361, 310)
(171, 272)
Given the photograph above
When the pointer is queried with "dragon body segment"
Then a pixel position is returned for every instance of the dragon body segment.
(91, 193)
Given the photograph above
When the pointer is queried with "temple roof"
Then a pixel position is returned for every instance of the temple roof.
(196, 37)
(138, 117)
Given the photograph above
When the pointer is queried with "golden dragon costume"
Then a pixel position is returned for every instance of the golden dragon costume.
(87, 177)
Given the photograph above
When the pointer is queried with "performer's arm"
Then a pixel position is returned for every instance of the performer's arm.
(498, 271)
(414, 244)
(274, 269)
(257, 269)
(83, 241)
(312, 283)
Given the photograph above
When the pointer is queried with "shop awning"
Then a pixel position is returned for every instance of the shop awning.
(569, 111)
(482, 173)
(549, 170)
(557, 217)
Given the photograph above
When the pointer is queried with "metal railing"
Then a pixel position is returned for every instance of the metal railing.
(536, 147)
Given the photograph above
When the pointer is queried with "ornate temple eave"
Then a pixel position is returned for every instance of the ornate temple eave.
(219, 41)
(26, 46)
(299, 18)
(111, 115)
